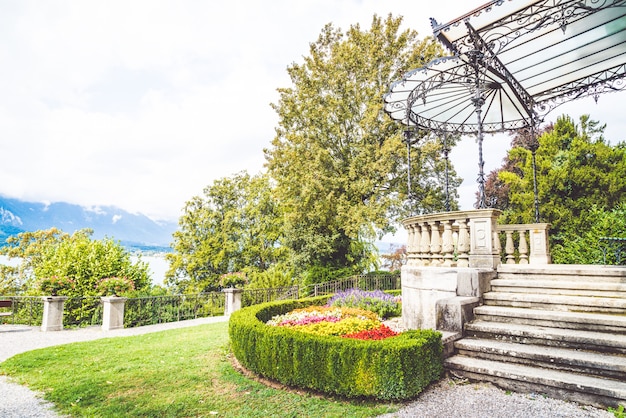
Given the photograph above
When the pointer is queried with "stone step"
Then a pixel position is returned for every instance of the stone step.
(561, 272)
(591, 390)
(554, 319)
(548, 336)
(560, 287)
(556, 302)
(606, 365)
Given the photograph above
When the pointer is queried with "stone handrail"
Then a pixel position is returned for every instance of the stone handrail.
(471, 239)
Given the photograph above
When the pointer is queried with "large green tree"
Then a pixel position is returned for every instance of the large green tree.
(577, 170)
(339, 161)
(235, 226)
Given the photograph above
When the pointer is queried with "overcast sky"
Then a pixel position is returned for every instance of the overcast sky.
(141, 104)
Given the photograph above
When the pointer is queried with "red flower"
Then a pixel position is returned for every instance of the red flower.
(379, 333)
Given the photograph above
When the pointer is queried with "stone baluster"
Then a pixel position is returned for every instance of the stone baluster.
(509, 248)
(435, 244)
(523, 247)
(415, 244)
(463, 244)
(425, 245)
(447, 245)
(410, 249)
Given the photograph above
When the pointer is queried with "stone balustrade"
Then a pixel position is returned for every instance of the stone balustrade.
(472, 239)
(517, 239)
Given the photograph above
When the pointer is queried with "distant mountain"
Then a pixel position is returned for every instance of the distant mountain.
(132, 230)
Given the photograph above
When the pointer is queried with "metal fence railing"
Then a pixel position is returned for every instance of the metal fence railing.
(86, 311)
(25, 310)
(363, 282)
(251, 297)
(159, 309)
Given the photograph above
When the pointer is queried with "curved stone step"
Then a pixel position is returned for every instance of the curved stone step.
(548, 336)
(556, 319)
(556, 302)
(590, 363)
(560, 287)
(595, 391)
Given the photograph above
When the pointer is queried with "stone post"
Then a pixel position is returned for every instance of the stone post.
(483, 252)
(233, 300)
(539, 244)
(113, 312)
(53, 313)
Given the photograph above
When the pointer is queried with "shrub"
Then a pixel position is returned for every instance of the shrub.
(383, 304)
(56, 285)
(395, 368)
(115, 286)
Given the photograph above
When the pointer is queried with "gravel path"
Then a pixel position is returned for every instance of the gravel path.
(447, 398)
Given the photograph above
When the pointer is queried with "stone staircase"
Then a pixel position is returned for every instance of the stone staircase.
(553, 329)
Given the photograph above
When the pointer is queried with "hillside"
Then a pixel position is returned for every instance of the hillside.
(133, 230)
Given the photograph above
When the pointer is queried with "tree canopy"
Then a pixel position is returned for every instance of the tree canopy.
(338, 160)
(235, 225)
(578, 174)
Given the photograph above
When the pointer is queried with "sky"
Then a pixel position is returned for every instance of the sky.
(142, 104)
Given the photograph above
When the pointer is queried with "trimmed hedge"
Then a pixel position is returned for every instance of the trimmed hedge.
(395, 368)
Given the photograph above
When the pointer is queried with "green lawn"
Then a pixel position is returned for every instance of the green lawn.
(177, 373)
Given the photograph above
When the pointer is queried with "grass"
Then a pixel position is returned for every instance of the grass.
(176, 373)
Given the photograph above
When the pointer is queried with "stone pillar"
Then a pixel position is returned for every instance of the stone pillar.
(53, 313)
(483, 252)
(113, 312)
(233, 300)
(539, 244)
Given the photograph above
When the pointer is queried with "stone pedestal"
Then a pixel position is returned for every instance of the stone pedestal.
(113, 313)
(484, 251)
(233, 300)
(539, 244)
(53, 313)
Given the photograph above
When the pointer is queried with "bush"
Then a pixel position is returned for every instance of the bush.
(115, 286)
(56, 285)
(395, 368)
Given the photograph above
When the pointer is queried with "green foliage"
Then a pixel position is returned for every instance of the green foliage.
(277, 275)
(115, 286)
(55, 285)
(339, 161)
(10, 281)
(392, 369)
(50, 253)
(53, 253)
(618, 412)
(235, 225)
(237, 279)
(577, 170)
(584, 247)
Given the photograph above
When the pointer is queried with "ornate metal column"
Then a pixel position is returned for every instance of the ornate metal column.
(478, 101)
(446, 151)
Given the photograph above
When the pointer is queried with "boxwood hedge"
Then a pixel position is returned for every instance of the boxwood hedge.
(395, 368)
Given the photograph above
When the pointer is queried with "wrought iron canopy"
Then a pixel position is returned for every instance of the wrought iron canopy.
(524, 57)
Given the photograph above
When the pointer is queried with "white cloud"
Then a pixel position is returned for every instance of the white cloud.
(142, 104)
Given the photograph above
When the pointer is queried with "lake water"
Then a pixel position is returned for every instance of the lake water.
(157, 264)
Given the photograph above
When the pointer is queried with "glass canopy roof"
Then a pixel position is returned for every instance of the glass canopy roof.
(513, 61)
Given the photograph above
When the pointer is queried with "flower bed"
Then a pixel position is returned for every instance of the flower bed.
(393, 368)
(332, 320)
(383, 304)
